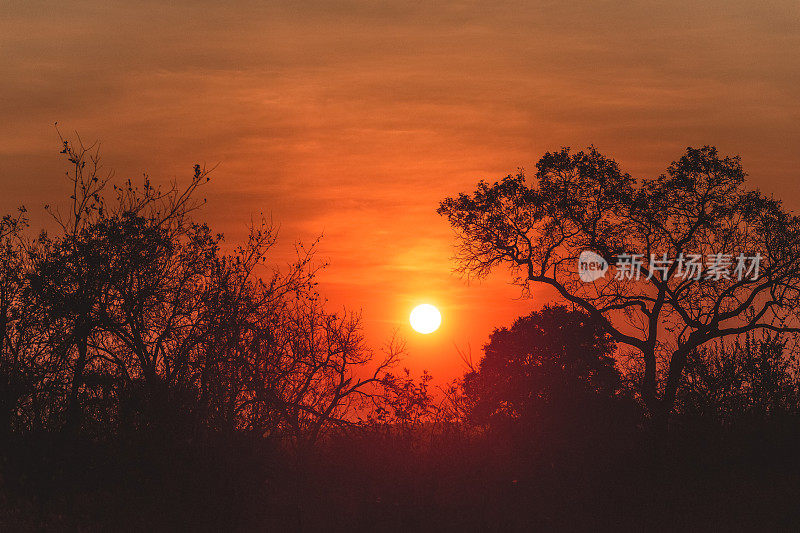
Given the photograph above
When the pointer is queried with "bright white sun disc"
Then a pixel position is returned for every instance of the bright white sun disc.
(425, 319)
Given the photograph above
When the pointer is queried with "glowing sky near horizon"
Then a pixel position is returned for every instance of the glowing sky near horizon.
(353, 119)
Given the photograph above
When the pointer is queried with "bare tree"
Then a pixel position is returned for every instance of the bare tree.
(320, 373)
(64, 281)
(143, 321)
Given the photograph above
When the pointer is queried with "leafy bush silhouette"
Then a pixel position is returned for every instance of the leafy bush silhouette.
(551, 373)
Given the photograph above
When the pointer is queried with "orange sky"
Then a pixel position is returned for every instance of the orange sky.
(355, 118)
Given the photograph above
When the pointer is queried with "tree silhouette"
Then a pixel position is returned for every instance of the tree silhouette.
(18, 334)
(583, 201)
(553, 368)
(130, 317)
(144, 360)
(65, 280)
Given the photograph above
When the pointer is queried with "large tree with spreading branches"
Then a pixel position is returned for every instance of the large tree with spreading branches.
(694, 256)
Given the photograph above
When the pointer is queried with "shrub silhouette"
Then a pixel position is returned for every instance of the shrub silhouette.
(552, 371)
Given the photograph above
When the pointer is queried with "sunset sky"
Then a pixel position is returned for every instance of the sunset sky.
(354, 119)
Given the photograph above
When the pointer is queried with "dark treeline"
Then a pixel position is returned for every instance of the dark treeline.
(149, 379)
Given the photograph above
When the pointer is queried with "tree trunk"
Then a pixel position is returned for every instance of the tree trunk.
(74, 408)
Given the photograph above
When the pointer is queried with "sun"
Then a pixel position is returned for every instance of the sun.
(425, 319)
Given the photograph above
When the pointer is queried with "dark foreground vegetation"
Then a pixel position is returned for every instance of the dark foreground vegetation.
(151, 380)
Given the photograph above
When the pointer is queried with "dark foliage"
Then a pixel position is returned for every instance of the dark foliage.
(151, 380)
(583, 201)
(552, 373)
